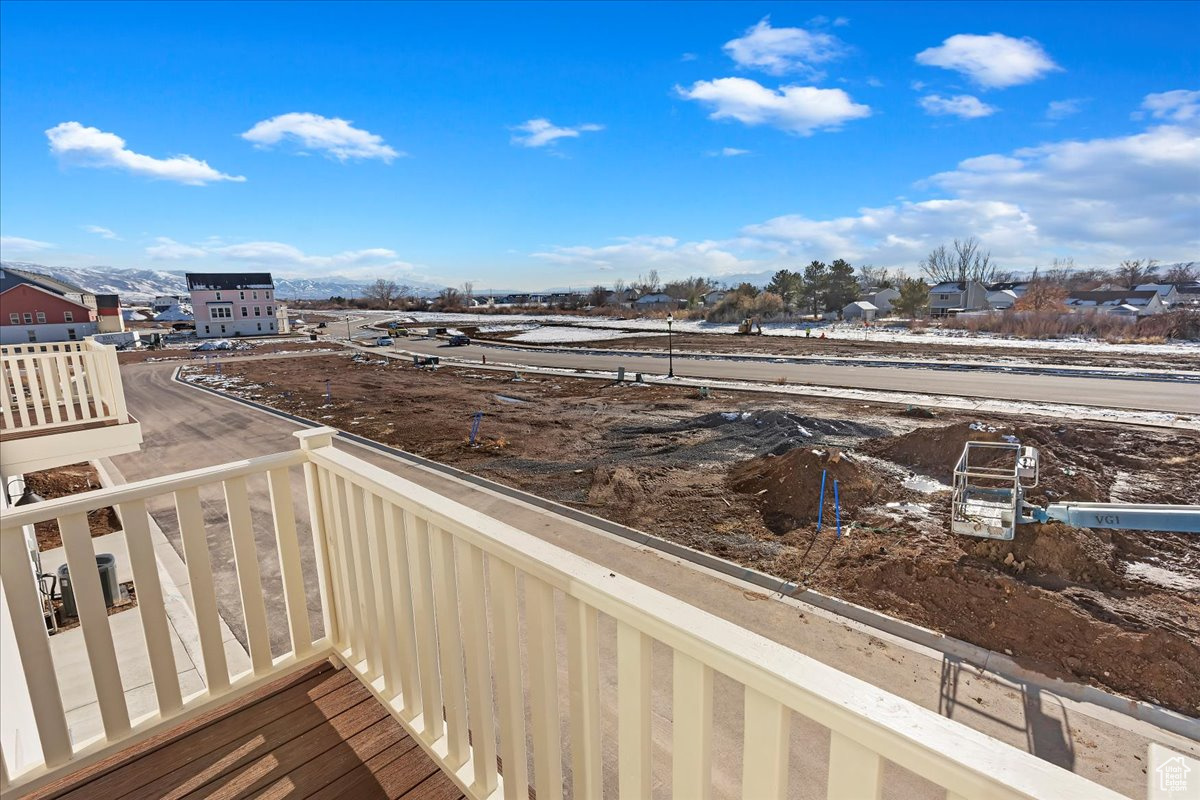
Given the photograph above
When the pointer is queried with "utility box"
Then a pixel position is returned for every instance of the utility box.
(106, 565)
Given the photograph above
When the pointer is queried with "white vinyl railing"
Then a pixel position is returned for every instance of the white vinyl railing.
(494, 648)
(55, 385)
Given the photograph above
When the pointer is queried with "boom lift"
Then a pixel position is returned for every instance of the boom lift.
(988, 500)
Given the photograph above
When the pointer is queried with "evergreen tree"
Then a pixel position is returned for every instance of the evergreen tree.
(816, 276)
(788, 285)
(841, 286)
(913, 299)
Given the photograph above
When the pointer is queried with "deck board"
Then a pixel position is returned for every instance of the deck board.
(319, 733)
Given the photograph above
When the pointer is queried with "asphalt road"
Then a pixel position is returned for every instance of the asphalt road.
(1143, 395)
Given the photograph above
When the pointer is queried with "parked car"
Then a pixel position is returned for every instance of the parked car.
(459, 339)
(384, 341)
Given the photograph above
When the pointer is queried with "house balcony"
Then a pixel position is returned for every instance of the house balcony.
(61, 403)
(423, 649)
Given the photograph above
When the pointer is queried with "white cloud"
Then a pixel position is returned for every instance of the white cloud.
(797, 109)
(279, 255)
(1061, 109)
(728, 152)
(336, 138)
(961, 105)
(91, 147)
(634, 255)
(102, 232)
(20, 244)
(993, 61)
(688, 57)
(1099, 200)
(1180, 105)
(541, 132)
(779, 51)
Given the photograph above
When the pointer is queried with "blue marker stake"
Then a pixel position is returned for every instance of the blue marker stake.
(328, 394)
(475, 426)
(821, 507)
(218, 369)
(837, 509)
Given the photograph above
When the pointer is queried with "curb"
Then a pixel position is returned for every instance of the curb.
(997, 664)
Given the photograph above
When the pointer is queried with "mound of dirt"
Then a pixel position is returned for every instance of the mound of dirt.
(617, 489)
(933, 450)
(788, 487)
(1059, 553)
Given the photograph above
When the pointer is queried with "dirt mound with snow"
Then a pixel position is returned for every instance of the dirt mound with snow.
(788, 486)
(935, 450)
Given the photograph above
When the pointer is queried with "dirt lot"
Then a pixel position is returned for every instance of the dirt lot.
(186, 353)
(853, 348)
(739, 475)
(63, 481)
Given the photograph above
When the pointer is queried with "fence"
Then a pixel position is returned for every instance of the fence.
(49, 386)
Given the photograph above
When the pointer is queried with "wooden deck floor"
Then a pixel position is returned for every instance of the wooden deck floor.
(316, 734)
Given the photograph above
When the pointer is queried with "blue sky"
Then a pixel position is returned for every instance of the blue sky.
(537, 144)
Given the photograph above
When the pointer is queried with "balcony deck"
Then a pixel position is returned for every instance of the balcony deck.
(317, 732)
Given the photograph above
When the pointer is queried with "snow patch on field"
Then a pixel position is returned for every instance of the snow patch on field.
(559, 334)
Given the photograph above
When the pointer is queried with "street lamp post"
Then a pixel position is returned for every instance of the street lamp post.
(670, 348)
(348, 337)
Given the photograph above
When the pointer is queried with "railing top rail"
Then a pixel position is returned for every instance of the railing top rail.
(963, 760)
(16, 517)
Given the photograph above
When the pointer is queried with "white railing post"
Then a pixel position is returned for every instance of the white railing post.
(313, 439)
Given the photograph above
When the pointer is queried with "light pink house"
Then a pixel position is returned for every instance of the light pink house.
(233, 304)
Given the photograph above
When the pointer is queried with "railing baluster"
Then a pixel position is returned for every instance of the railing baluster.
(633, 712)
(150, 606)
(366, 589)
(339, 606)
(454, 690)
(245, 558)
(35, 394)
(583, 670)
(14, 374)
(764, 747)
(93, 618)
(691, 711)
(503, 584)
(356, 629)
(80, 381)
(479, 667)
(543, 689)
(385, 608)
(6, 396)
(319, 528)
(854, 771)
(204, 597)
(33, 642)
(46, 368)
(62, 370)
(423, 613)
(410, 681)
(279, 485)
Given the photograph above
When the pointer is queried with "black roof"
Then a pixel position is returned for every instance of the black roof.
(229, 280)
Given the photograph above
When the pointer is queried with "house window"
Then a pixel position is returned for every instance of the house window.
(32, 335)
(28, 318)
(68, 316)
(256, 295)
(272, 325)
(222, 312)
(241, 295)
(268, 295)
(71, 335)
(245, 311)
(41, 317)
(206, 330)
(260, 326)
(268, 311)
(218, 295)
(222, 329)
(15, 319)
(258, 311)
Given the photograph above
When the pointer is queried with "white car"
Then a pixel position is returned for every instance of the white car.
(384, 341)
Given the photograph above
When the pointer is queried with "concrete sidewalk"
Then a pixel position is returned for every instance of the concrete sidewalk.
(186, 428)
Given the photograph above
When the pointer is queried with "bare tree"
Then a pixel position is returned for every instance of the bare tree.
(383, 292)
(870, 277)
(1182, 273)
(468, 293)
(964, 261)
(1042, 294)
(1131, 272)
(647, 284)
(449, 298)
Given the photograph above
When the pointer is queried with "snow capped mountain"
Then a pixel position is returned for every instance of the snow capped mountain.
(140, 285)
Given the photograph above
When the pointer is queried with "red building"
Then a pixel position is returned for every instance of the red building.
(30, 313)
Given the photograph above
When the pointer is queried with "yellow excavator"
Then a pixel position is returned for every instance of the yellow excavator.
(750, 326)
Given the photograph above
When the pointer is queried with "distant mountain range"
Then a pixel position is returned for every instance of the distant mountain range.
(141, 285)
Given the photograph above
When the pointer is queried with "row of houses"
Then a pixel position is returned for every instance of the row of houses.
(951, 298)
(38, 308)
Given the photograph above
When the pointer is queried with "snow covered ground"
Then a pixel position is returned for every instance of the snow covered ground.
(836, 330)
(557, 334)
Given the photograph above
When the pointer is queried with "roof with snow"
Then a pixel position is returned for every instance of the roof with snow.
(1111, 298)
(863, 304)
(229, 280)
